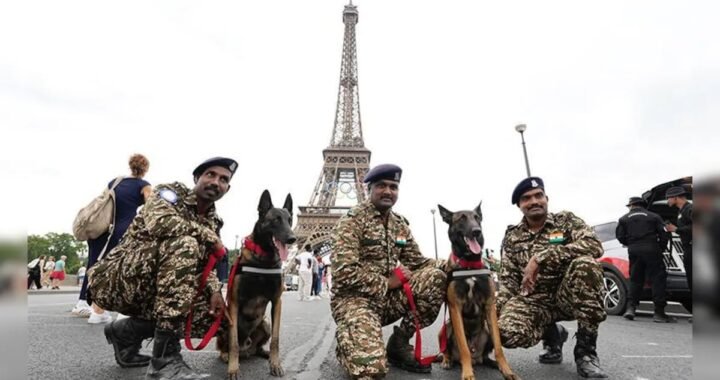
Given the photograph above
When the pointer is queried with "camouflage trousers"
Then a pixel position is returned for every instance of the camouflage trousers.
(523, 319)
(360, 348)
(158, 285)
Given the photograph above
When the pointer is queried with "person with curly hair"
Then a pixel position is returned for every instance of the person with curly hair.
(130, 193)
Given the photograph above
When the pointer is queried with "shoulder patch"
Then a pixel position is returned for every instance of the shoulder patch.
(169, 196)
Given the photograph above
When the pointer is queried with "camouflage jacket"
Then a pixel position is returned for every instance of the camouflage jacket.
(171, 212)
(563, 238)
(365, 251)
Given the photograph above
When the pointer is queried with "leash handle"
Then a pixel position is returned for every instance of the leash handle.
(413, 309)
(212, 260)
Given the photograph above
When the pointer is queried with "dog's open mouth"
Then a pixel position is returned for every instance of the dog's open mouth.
(473, 245)
(281, 248)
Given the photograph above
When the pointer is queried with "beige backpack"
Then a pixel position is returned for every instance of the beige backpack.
(98, 216)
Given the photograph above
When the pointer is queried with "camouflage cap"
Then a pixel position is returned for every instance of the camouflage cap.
(227, 163)
(528, 183)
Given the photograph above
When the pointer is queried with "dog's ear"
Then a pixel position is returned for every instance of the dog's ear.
(478, 211)
(265, 204)
(288, 204)
(445, 214)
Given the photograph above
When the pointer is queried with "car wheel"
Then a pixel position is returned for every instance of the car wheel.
(615, 294)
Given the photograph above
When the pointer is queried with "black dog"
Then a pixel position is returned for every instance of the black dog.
(258, 280)
(473, 330)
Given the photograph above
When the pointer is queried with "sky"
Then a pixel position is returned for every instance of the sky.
(617, 97)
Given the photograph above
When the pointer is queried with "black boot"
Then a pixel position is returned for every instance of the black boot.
(401, 354)
(630, 313)
(126, 336)
(166, 362)
(660, 317)
(586, 359)
(553, 338)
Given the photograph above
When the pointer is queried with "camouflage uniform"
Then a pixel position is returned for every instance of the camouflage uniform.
(154, 272)
(569, 284)
(365, 252)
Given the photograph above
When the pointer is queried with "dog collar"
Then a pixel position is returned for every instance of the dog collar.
(245, 269)
(465, 264)
(249, 244)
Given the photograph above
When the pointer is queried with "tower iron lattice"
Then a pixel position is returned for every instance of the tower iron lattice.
(345, 161)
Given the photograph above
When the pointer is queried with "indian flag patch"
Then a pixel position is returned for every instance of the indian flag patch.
(556, 237)
(400, 241)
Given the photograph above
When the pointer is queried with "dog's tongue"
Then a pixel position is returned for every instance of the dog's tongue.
(282, 249)
(473, 245)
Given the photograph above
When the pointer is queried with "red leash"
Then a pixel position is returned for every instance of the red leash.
(214, 257)
(418, 337)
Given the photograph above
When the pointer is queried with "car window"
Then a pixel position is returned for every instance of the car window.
(605, 232)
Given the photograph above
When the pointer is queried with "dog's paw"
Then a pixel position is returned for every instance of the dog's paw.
(512, 376)
(468, 375)
(277, 370)
(233, 376)
(446, 364)
(224, 356)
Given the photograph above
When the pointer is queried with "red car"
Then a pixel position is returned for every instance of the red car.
(615, 262)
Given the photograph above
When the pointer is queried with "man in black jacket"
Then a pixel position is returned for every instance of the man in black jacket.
(645, 236)
(676, 197)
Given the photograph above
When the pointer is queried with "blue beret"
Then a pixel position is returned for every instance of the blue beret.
(384, 171)
(675, 191)
(227, 163)
(528, 183)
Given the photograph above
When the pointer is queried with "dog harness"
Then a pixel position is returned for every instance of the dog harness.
(467, 269)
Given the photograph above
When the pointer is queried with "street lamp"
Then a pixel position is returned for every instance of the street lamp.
(236, 240)
(521, 129)
(432, 211)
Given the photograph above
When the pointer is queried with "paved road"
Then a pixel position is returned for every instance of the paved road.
(66, 347)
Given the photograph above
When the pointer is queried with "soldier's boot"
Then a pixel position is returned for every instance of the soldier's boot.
(630, 313)
(126, 336)
(166, 362)
(586, 359)
(401, 354)
(660, 317)
(553, 339)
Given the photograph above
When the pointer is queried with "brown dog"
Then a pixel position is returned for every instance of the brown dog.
(257, 282)
(473, 329)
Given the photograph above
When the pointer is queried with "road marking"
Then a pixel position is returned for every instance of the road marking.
(658, 356)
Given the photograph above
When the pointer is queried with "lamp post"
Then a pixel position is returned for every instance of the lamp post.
(236, 240)
(521, 129)
(432, 211)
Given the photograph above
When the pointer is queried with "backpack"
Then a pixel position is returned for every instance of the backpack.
(98, 216)
(34, 263)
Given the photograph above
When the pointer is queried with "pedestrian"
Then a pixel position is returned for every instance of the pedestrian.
(35, 272)
(304, 264)
(549, 274)
(81, 275)
(328, 274)
(370, 244)
(153, 275)
(130, 193)
(58, 274)
(643, 232)
(315, 276)
(46, 278)
(321, 272)
(677, 197)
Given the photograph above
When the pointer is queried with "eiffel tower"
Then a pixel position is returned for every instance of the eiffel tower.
(345, 160)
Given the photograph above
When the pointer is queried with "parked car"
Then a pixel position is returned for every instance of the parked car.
(292, 281)
(616, 265)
